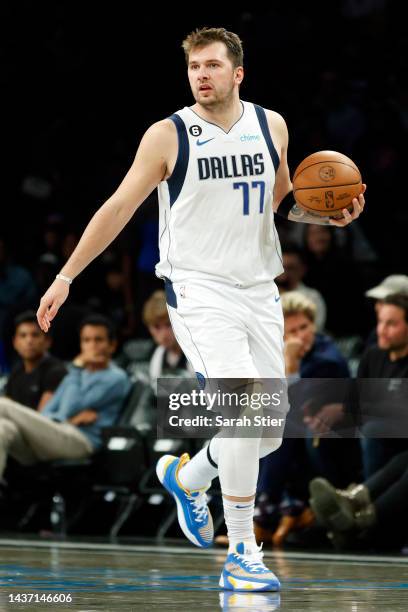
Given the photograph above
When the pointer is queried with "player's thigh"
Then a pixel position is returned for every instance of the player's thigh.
(265, 334)
(210, 332)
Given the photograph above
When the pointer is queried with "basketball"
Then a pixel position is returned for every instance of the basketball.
(326, 182)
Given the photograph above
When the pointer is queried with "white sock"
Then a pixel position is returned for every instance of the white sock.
(197, 473)
(239, 518)
(268, 445)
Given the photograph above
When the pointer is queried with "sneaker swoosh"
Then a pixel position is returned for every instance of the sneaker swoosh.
(203, 142)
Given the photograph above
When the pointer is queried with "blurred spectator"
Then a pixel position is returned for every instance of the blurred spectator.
(308, 355)
(139, 243)
(32, 382)
(4, 366)
(374, 511)
(112, 295)
(291, 280)
(162, 356)
(89, 398)
(334, 274)
(52, 237)
(395, 283)
(147, 360)
(17, 289)
(45, 270)
(388, 360)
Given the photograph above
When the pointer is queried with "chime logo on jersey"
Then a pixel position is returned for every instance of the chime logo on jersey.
(230, 166)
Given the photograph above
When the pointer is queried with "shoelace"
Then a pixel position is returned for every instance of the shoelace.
(199, 504)
(254, 561)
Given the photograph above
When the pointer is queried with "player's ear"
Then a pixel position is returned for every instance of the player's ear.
(239, 74)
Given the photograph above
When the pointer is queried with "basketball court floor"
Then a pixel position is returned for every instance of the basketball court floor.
(149, 577)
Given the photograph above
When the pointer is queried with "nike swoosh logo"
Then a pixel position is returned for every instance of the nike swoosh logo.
(203, 142)
(241, 507)
(277, 298)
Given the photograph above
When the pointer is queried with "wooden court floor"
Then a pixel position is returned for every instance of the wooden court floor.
(127, 578)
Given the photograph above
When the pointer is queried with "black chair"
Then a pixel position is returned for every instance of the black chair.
(112, 472)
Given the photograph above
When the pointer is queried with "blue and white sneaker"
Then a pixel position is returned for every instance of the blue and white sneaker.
(193, 514)
(244, 571)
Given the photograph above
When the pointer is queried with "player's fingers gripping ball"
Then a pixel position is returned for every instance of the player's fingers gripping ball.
(325, 183)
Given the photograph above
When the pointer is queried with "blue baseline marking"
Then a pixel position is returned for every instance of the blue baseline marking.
(54, 581)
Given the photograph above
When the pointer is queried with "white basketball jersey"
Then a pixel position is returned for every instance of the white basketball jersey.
(216, 216)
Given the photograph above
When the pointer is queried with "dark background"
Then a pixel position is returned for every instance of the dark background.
(81, 82)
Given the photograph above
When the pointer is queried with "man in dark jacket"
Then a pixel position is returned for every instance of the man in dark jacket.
(34, 379)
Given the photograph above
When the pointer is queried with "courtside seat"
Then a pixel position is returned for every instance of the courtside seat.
(118, 463)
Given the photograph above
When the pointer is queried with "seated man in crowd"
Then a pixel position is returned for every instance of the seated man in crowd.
(88, 399)
(387, 360)
(308, 355)
(390, 285)
(34, 379)
(380, 390)
(292, 280)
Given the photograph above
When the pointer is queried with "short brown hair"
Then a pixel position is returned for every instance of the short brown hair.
(398, 299)
(201, 37)
(294, 302)
(155, 308)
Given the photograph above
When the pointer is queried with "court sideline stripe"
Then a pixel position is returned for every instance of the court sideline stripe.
(173, 550)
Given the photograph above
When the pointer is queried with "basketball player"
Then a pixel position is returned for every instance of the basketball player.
(221, 170)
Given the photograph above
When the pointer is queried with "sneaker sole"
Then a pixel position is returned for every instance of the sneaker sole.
(230, 583)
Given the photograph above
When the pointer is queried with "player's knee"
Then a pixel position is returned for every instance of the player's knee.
(240, 448)
(269, 445)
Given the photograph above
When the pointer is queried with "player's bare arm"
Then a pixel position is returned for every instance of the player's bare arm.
(283, 184)
(153, 162)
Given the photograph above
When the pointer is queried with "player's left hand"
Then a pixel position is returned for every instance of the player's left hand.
(348, 217)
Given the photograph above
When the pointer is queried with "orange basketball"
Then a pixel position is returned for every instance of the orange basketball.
(325, 183)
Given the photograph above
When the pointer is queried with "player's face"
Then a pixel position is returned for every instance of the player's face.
(392, 329)
(301, 327)
(30, 342)
(212, 76)
(162, 333)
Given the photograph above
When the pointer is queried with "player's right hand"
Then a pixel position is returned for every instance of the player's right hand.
(50, 303)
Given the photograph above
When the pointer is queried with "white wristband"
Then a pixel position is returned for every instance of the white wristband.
(64, 278)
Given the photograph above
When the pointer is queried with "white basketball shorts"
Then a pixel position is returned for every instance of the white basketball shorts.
(227, 331)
